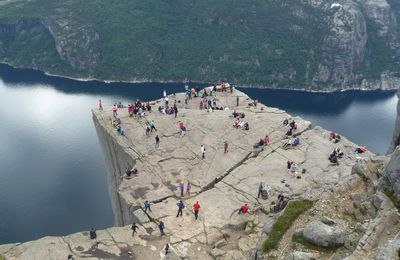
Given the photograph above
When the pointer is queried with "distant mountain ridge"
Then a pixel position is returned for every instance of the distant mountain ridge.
(306, 44)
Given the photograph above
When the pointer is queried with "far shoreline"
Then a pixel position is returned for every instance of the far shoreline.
(334, 90)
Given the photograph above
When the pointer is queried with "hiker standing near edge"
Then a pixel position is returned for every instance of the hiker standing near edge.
(181, 206)
(196, 208)
(237, 101)
(100, 105)
(157, 141)
(203, 151)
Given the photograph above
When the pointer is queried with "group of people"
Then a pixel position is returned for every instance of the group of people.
(137, 109)
(335, 155)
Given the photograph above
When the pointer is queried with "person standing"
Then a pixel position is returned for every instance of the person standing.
(260, 190)
(100, 105)
(196, 208)
(225, 146)
(237, 101)
(203, 151)
(188, 188)
(175, 109)
(134, 227)
(161, 227)
(152, 126)
(181, 206)
(166, 249)
(182, 188)
(157, 141)
(147, 206)
(114, 110)
(93, 233)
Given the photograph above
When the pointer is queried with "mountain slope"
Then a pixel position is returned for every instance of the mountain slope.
(313, 44)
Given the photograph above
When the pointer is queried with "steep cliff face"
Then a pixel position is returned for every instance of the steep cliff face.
(307, 44)
(118, 160)
(343, 49)
(396, 133)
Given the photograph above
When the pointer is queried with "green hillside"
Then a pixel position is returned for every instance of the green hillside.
(258, 42)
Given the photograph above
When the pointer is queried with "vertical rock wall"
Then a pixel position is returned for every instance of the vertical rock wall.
(118, 159)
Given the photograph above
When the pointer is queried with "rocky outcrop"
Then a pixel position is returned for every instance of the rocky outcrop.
(323, 235)
(391, 180)
(396, 133)
(347, 38)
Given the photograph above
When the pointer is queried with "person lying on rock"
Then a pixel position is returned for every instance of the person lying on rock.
(361, 149)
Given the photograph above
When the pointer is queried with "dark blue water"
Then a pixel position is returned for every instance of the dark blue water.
(52, 169)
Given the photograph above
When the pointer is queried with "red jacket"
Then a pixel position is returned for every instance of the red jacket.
(196, 207)
(245, 209)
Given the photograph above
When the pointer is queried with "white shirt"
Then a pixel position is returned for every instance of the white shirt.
(203, 149)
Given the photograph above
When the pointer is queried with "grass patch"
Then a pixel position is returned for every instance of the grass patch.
(393, 198)
(290, 214)
(1, 257)
(300, 240)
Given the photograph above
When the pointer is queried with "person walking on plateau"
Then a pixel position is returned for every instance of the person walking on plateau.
(237, 101)
(161, 227)
(225, 147)
(152, 126)
(100, 105)
(196, 208)
(188, 188)
(182, 188)
(203, 151)
(134, 227)
(166, 249)
(181, 206)
(147, 206)
(157, 141)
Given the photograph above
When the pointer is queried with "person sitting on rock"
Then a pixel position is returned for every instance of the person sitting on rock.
(237, 123)
(182, 128)
(289, 164)
(266, 140)
(333, 158)
(296, 141)
(287, 144)
(289, 132)
(286, 122)
(244, 209)
(294, 169)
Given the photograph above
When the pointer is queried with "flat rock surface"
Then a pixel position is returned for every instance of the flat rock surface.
(220, 182)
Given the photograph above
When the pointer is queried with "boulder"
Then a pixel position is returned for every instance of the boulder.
(320, 234)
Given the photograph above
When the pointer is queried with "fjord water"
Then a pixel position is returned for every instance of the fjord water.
(52, 169)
